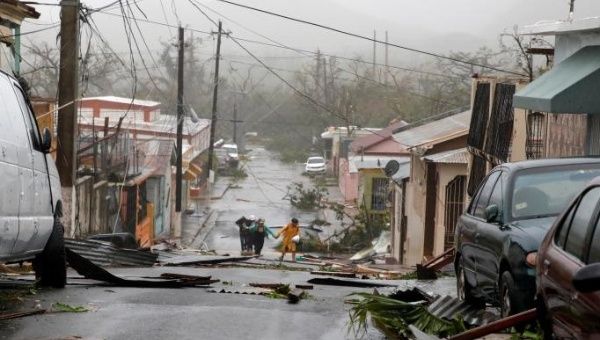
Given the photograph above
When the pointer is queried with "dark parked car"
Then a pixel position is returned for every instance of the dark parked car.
(568, 271)
(30, 204)
(497, 238)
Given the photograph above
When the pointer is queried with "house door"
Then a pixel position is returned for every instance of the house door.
(455, 198)
(430, 205)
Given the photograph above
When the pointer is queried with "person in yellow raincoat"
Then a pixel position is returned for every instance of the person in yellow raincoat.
(288, 244)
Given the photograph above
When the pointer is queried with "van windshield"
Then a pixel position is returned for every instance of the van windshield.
(546, 192)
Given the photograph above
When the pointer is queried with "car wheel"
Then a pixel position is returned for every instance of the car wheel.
(463, 288)
(50, 266)
(511, 302)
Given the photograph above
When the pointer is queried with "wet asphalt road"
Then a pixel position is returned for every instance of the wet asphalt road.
(263, 194)
(195, 313)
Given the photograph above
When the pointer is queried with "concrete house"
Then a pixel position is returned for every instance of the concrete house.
(126, 153)
(362, 177)
(568, 90)
(337, 142)
(429, 190)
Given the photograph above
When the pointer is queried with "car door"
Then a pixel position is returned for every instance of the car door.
(10, 185)
(585, 307)
(467, 232)
(563, 258)
(39, 214)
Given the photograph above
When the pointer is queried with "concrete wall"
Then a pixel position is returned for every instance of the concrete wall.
(415, 211)
(365, 187)
(446, 173)
(396, 214)
(348, 182)
(569, 43)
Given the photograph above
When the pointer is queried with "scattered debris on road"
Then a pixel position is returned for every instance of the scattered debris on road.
(93, 272)
(21, 314)
(429, 269)
(334, 273)
(65, 308)
(241, 290)
(190, 279)
(347, 283)
(188, 260)
(105, 254)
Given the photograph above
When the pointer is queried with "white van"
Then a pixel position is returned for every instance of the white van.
(30, 204)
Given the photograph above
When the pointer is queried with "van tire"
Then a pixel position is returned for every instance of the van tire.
(50, 266)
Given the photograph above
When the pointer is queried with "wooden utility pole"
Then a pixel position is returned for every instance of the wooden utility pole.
(374, 52)
(235, 121)
(213, 123)
(387, 65)
(180, 118)
(68, 92)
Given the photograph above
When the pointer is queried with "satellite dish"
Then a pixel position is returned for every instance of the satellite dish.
(391, 168)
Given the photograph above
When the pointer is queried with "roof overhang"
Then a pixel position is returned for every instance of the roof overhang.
(569, 87)
(14, 12)
(561, 27)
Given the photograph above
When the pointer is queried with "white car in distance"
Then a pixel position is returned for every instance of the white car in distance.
(315, 165)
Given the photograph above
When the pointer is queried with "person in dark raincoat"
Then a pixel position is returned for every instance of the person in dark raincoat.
(244, 224)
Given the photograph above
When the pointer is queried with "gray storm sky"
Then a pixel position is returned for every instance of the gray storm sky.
(434, 25)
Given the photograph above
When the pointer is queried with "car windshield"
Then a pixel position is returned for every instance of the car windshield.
(231, 150)
(545, 193)
(316, 161)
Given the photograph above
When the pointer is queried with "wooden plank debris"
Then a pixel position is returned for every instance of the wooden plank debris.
(21, 314)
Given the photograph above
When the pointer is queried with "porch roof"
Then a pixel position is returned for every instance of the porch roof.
(457, 156)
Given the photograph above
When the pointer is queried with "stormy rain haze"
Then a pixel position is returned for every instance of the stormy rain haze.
(316, 169)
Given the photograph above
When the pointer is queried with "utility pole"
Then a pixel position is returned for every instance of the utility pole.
(387, 65)
(374, 51)
(571, 10)
(68, 93)
(235, 121)
(179, 174)
(213, 123)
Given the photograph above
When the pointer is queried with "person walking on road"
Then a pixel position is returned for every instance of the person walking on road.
(245, 236)
(291, 236)
(259, 231)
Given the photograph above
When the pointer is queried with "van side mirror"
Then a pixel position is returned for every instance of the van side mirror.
(587, 279)
(46, 140)
(491, 213)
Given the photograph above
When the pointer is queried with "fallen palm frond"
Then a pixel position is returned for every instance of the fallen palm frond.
(394, 316)
(64, 308)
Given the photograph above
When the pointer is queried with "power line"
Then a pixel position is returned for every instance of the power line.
(293, 49)
(370, 39)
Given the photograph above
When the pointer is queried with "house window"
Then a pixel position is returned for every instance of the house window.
(379, 195)
(536, 135)
(455, 198)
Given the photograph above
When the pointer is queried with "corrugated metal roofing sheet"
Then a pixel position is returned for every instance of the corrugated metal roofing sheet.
(448, 126)
(448, 307)
(458, 156)
(105, 254)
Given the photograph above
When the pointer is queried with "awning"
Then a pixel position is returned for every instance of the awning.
(458, 156)
(572, 86)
